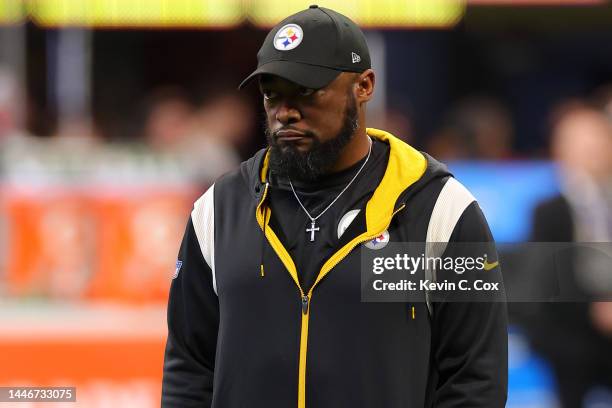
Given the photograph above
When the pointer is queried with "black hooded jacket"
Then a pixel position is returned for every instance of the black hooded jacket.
(244, 333)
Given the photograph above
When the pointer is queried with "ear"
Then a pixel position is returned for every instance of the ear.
(365, 86)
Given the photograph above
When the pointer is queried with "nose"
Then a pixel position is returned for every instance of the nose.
(287, 114)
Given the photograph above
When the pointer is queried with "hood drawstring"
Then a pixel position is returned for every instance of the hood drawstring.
(263, 243)
(263, 239)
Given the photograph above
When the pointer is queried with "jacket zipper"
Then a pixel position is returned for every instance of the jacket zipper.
(303, 351)
(306, 298)
(306, 313)
(305, 309)
(305, 301)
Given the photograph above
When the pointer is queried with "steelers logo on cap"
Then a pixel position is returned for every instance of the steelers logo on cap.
(288, 37)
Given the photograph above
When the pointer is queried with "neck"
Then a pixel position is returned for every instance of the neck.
(356, 150)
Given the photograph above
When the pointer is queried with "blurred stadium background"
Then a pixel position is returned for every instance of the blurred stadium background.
(116, 114)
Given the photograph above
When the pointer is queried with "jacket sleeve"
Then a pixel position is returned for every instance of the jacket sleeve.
(193, 321)
(470, 339)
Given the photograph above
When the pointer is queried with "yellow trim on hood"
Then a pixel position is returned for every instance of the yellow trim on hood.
(406, 165)
(264, 166)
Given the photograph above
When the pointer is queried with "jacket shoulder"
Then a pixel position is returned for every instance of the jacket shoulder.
(241, 180)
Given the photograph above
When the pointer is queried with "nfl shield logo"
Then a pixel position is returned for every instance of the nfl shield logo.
(178, 269)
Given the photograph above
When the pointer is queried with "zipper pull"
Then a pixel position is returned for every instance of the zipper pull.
(305, 304)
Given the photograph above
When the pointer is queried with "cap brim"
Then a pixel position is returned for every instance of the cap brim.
(308, 76)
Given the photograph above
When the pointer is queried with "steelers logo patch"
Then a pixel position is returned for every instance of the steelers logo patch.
(378, 242)
(288, 37)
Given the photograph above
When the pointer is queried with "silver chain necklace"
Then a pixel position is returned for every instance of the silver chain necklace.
(313, 220)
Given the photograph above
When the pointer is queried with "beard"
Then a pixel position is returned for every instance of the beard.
(287, 160)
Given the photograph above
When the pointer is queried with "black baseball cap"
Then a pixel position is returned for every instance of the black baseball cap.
(311, 48)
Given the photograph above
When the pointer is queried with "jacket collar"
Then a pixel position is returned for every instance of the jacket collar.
(406, 165)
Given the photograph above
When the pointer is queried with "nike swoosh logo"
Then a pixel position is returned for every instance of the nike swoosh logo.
(488, 266)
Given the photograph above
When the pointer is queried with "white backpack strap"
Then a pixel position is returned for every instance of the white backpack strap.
(452, 201)
(203, 218)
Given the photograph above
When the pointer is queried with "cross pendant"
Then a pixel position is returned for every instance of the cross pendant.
(312, 230)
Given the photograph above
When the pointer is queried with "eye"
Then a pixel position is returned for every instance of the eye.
(306, 91)
(268, 95)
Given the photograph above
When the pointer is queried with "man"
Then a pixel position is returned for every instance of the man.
(265, 309)
(581, 145)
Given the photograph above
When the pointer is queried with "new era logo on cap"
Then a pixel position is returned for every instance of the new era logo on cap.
(355, 58)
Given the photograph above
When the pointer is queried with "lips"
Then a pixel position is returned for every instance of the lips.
(289, 135)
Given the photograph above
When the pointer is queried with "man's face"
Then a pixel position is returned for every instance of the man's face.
(307, 129)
